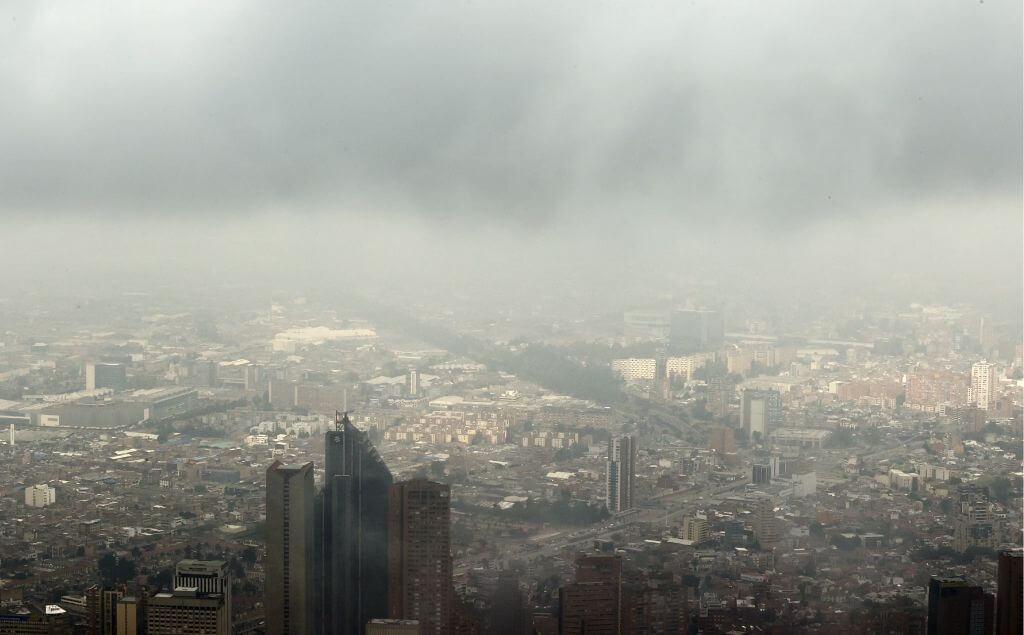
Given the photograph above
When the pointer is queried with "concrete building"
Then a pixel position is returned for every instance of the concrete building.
(695, 529)
(633, 368)
(957, 608)
(761, 474)
(290, 548)
(760, 412)
(52, 620)
(984, 383)
(40, 495)
(686, 365)
(592, 604)
(767, 528)
(186, 611)
(206, 576)
(801, 437)
(1010, 593)
(127, 616)
(973, 523)
(723, 440)
(106, 375)
(419, 555)
(621, 469)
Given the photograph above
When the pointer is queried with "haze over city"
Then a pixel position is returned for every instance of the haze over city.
(707, 311)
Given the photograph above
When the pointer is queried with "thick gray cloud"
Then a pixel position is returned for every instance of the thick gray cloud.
(711, 112)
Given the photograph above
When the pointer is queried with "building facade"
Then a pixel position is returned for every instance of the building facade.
(419, 555)
(621, 469)
(983, 384)
(289, 568)
(760, 412)
(355, 531)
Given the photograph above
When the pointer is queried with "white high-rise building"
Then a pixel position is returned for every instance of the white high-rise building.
(414, 383)
(40, 495)
(621, 469)
(983, 384)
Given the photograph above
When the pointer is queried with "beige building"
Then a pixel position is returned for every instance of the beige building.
(186, 611)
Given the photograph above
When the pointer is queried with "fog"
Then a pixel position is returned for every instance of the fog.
(870, 148)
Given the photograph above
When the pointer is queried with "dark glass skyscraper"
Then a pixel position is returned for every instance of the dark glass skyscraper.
(355, 531)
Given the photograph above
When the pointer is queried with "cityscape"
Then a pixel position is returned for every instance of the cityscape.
(531, 318)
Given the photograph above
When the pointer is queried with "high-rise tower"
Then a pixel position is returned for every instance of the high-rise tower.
(289, 570)
(355, 531)
(1010, 597)
(984, 383)
(760, 413)
(621, 467)
(419, 555)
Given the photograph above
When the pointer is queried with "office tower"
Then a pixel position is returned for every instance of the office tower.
(392, 627)
(127, 614)
(956, 608)
(662, 387)
(718, 392)
(419, 555)
(723, 440)
(697, 330)
(105, 375)
(355, 531)
(761, 474)
(592, 604)
(101, 609)
(206, 576)
(186, 611)
(760, 413)
(508, 607)
(621, 467)
(767, 528)
(288, 583)
(1010, 593)
(972, 519)
(983, 384)
(414, 383)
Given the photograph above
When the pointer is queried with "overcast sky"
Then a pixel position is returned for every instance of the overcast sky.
(733, 118)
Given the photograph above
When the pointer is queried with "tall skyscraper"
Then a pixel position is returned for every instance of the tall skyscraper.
(621, 467)
(983, 384)
(128, 616)
(288, 583)
(767, 528)
(973, 520)
(206, 576)
(957, 608)
(760, 412)
(101, 607)
(414, 383)
(1010, 593)
(593, 603)
(355, 531)
(419, 555)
